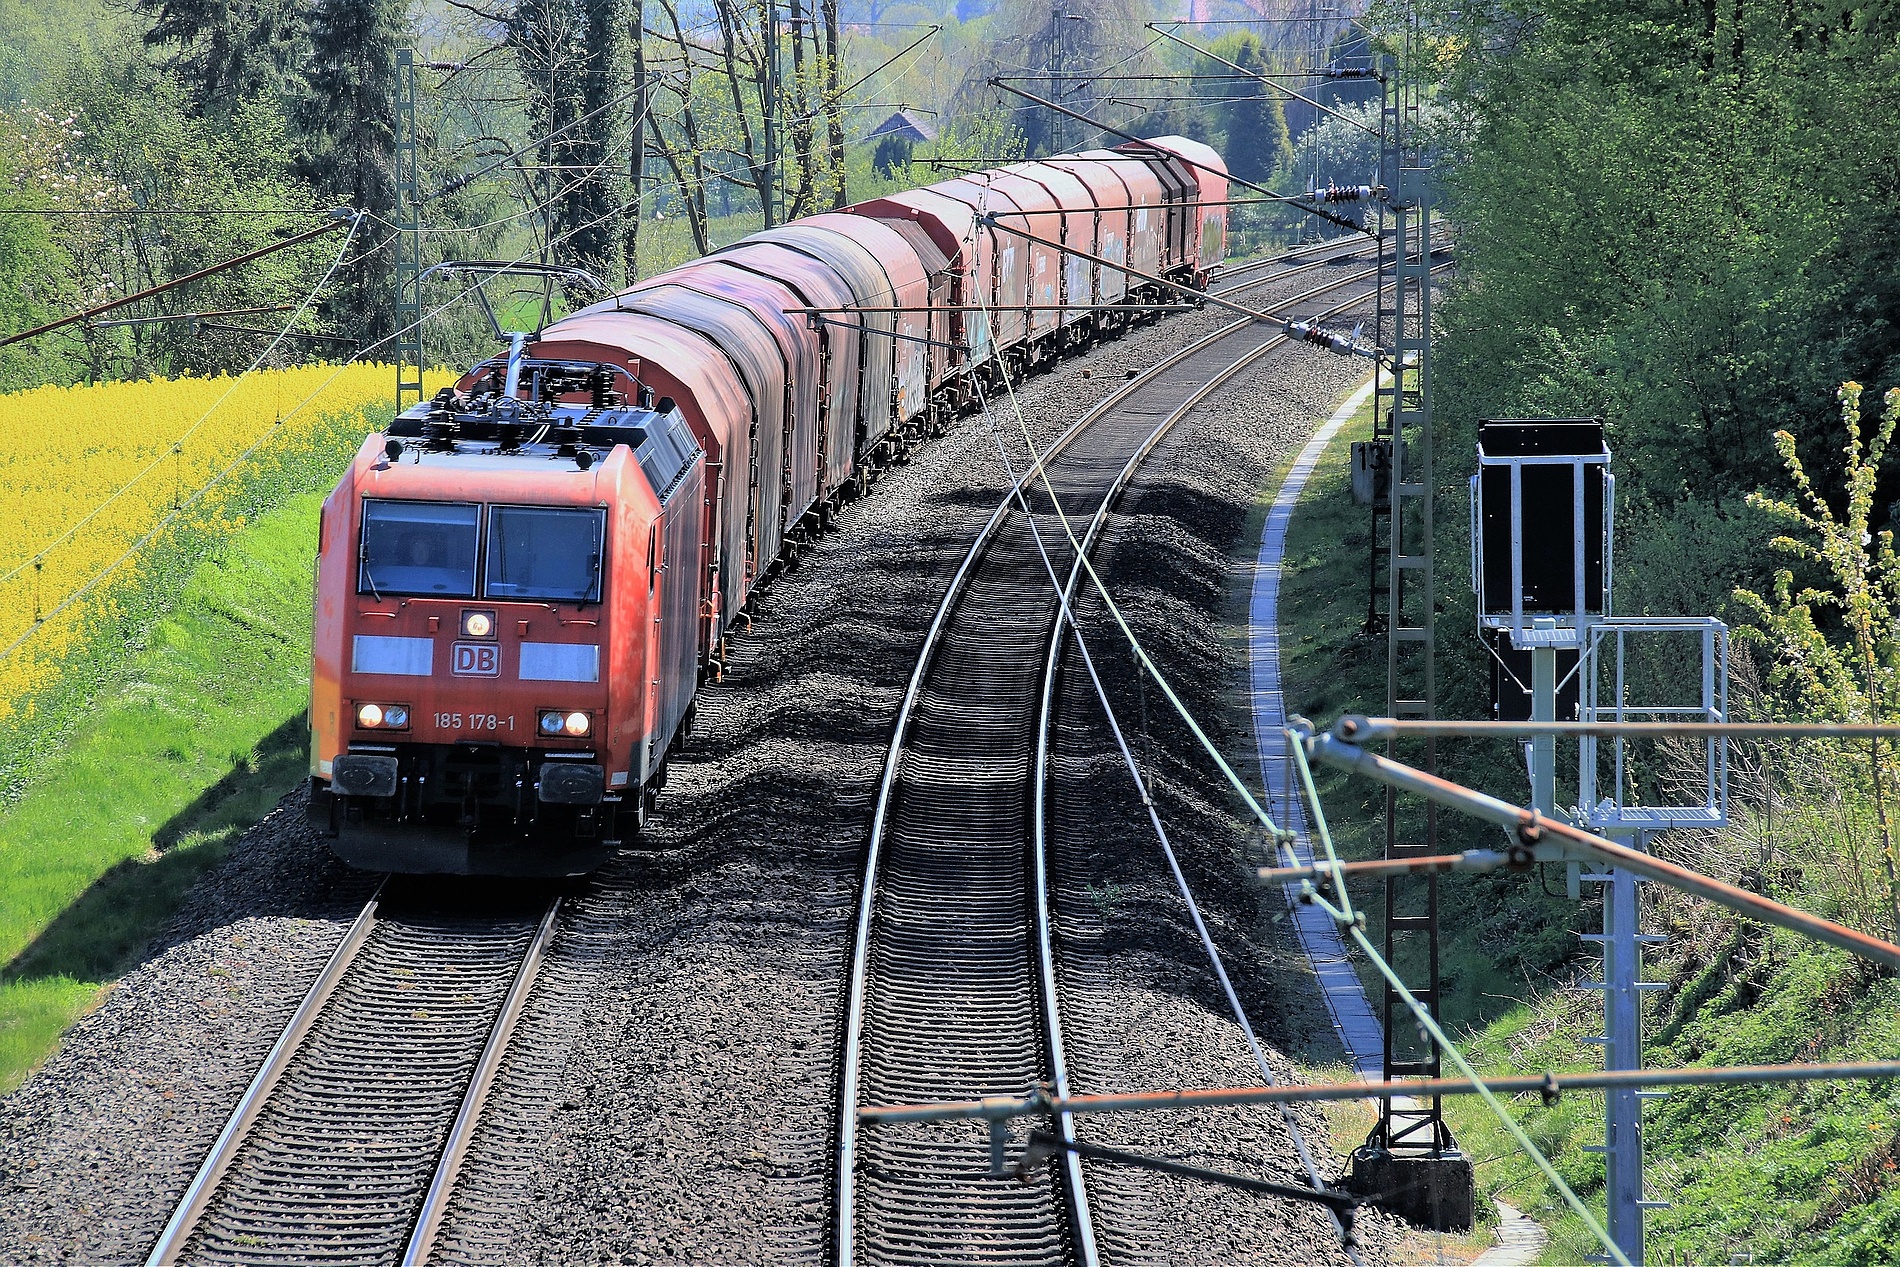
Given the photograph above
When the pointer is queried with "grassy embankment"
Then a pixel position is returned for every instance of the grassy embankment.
(196, 742)
(170, 717)
(1797, 1174)
(1496, 930)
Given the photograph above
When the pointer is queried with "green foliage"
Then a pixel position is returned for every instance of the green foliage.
(1682, 220)
(1856, 674)
(174, 728)
(1801, 1173)
(990, 136)
(1498, 931)
(891, 156)
(1833, 643)
(225, 54)
(37, 38)
(346, 139)
(34, 270)
(1253, 119)
(125, 139)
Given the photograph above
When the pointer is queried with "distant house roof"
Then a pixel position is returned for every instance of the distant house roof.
(907, 125)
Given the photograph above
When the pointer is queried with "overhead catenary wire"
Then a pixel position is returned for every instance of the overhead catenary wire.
(1232, 179)
(1323, 831)
(463, 181)
(1343, 915)
(1291, 95)
(167, 211)
(352, 219)
(354, 222)
(296, 409)
(1066, 615)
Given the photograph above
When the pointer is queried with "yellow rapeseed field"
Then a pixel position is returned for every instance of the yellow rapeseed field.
(87, 472)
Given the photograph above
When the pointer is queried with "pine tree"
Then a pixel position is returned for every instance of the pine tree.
(227, 53)
(1255, 121)
(348, 129)
(573, 54)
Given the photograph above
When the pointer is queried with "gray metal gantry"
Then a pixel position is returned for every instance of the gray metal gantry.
(1411, 1149)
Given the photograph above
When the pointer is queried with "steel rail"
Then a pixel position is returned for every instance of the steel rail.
(1058, 640)
(325, 1070)
(204, 1184)
(435, 1203)
(852, 1061)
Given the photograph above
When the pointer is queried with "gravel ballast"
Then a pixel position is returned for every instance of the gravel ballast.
(669, 1096)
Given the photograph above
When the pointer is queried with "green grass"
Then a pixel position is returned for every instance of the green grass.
(198, 741)
(1794, 1174)
(1496, 931)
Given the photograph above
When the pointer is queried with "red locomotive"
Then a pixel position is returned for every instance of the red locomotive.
(522, 584)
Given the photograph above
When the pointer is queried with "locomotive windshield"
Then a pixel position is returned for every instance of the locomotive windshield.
(419, 548)
(541, 552)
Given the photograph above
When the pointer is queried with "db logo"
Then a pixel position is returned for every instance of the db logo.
(476, 659)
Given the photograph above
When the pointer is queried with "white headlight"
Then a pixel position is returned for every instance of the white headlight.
(577, 724)
(369, 715)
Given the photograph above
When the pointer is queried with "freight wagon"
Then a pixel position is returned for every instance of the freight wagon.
(524, 582)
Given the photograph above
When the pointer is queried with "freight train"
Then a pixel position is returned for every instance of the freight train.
(523, 582)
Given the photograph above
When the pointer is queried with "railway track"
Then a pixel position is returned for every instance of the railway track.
(952, 991)
(346, 1144)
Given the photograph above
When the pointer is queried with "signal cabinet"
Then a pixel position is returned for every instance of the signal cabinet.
(1541, 513)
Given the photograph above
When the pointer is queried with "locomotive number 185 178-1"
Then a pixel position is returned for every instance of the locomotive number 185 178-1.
(473, 721)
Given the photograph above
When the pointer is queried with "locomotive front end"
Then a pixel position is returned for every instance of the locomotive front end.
(485, 600)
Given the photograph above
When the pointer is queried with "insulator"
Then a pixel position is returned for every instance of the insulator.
(1348, 72)
(1333, 341)
(1346, 193)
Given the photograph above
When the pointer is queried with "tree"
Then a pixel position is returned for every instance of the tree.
(710, 109)
(891, 157)
(33, 269)
(1254, 119)
(228, 53)
(346, 120)
(572, 54)
(1057, 51)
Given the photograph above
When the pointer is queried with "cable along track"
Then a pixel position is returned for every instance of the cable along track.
(952, 986)
(346, 1144)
